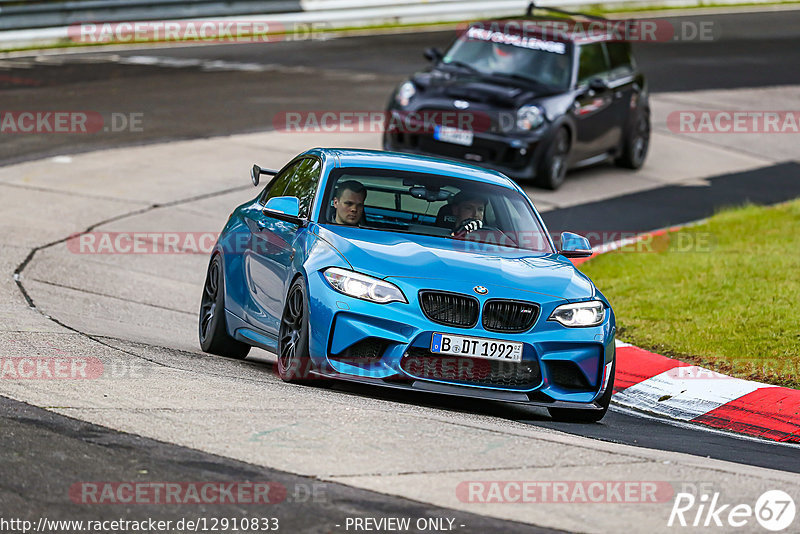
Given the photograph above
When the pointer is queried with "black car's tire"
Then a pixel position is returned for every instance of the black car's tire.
(212, 329)
(294, 363)
(587, 416)
(552, 170)
(636, 143)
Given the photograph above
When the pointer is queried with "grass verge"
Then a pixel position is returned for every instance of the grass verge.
(723, 294)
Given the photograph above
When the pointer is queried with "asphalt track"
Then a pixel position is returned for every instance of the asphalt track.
(201, 97)
(193, 101)
(35, 489)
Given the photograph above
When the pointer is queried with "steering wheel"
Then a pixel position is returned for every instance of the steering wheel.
(483, 234)
(468, 226)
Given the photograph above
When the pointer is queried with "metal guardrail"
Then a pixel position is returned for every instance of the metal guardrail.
(16, 15)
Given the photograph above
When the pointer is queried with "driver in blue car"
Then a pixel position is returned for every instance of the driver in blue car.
(348, 201)
(468, 209)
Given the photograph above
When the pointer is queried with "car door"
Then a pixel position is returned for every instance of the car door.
(597, 129)
(273, 241)
(623, 83)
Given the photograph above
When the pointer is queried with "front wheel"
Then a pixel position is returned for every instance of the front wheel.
(636, 144)
(213, 331)
(587, 416)
(552, 170)
(294, 362)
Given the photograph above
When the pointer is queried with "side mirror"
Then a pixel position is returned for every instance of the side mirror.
(284, 208)
(433, 54)
(574, 246)
(598, 85)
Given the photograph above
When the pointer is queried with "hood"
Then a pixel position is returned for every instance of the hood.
(474, 88)
(398, 255)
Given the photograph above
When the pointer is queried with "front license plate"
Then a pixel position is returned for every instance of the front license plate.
(453, 135)
(476, 347)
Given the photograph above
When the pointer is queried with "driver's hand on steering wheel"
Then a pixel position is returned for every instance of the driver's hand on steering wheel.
(467, 226)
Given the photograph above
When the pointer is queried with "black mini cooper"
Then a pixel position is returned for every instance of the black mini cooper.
(525, 101)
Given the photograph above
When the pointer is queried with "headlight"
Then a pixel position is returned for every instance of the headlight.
(405, 93)
(589, 313)
(529, 117)
(363, 287)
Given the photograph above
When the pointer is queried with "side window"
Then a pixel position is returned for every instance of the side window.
(593, 62)
(621, 61)
(303, 184)
(278, 185)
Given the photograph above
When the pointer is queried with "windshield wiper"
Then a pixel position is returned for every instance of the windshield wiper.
(457, 63)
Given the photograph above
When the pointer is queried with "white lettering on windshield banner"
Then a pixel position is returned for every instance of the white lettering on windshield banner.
(516, 40)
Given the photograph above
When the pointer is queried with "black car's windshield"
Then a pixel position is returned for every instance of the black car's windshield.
(526, 58)
(432, 205)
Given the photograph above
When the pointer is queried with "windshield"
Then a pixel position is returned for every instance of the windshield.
(494, 53)
(432, 205)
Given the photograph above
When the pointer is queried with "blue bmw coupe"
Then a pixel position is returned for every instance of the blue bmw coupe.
(409, 272)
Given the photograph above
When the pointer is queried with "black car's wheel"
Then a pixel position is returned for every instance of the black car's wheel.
(213, 331)
(587, 416)
(636, 143)
(294, 363)
(552, 170)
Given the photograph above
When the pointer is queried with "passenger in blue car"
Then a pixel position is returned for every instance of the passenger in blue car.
(348, 201)
(468, 210)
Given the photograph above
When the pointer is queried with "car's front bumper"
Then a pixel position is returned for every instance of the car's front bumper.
(389, 345)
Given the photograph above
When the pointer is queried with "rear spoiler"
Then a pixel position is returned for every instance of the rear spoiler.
(256, 172)
(532, 6)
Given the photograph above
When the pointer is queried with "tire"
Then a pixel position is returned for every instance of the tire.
(552, 170)
(212, 328)
(637, 142)
(294, 363)
(587, 416)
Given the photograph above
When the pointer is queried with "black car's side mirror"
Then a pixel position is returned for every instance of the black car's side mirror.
(433, 54)
(598, 85)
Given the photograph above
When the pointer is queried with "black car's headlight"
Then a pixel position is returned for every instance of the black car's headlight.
(529, 117)
(363, 287)
(405, 93)
(590, 313)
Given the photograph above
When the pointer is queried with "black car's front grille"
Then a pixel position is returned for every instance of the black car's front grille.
(421, 363)
(451, 309)
(479, 151)
(500, 315)
(366, 351)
